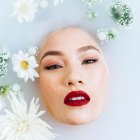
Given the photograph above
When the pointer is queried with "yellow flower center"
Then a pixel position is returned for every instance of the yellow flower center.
(24, 64)
(22, 127)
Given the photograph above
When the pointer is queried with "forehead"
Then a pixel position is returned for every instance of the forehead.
(70, 38)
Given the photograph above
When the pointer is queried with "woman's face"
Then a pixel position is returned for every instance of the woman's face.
(73, 76)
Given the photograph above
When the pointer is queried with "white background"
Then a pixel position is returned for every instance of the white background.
(121, 120)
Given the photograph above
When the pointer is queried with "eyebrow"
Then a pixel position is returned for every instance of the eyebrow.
(80, 50)
(88, 47)
(55, 53)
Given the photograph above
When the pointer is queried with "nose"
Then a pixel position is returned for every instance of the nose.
(74, 77)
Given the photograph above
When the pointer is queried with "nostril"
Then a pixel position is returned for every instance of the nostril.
(69, 83)
(74, 82)
(80, 82)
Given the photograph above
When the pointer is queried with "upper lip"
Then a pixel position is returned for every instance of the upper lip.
(76, 95)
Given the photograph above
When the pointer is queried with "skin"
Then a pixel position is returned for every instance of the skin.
(78, 65)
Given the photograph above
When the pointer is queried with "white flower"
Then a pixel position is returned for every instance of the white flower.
(25, 10)
(56, 2)
(102, 35)
(112, 33)
(15, 89)
(2, 103)
(32, 50)
(23, 123)
(44, 4)
(24, 65)
(106, 34)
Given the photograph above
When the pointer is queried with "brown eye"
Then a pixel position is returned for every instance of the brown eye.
(53, 67)
(89, 61)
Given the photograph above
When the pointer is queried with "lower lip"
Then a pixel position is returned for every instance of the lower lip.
(77, 102)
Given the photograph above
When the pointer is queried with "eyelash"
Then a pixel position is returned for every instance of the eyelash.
(89, 61)
(53, 67)
(56, 66)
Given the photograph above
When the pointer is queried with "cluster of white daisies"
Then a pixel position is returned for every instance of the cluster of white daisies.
(23, 63)
(26, 10)
(23, 122)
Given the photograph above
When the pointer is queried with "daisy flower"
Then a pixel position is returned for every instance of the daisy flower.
(106, 34)
(23, 123)
(24, 65)
(25, 10)
(56, 2)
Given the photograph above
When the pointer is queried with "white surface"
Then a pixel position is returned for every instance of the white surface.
(121, 120)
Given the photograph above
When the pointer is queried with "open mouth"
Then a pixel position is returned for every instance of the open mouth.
(76, 98)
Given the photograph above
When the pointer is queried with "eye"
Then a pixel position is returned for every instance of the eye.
(89, 61)
(53, 67)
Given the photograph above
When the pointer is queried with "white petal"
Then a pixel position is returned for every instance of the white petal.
(16, 87)
(38, 129)
(2, 103)
(36, 74)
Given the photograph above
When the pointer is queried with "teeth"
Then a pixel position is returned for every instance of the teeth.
(74, 98)
(77, 98)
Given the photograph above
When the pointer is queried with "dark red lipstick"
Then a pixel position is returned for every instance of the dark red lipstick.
(76, 98)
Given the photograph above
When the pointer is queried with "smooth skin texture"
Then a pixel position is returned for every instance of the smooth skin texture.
(71, 60)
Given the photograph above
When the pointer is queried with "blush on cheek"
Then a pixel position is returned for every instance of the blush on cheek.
(103, 74)
(96, 80)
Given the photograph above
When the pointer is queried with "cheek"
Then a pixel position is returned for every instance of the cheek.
(98, 77)
(50, 86)
(47, 83)
(48, 90)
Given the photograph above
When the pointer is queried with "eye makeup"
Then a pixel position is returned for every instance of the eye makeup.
(89, 61)
(89, 57)
(53, 67)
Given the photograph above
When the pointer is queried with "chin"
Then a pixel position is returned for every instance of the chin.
(78, 122)
(78, 119)
(77, 116)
